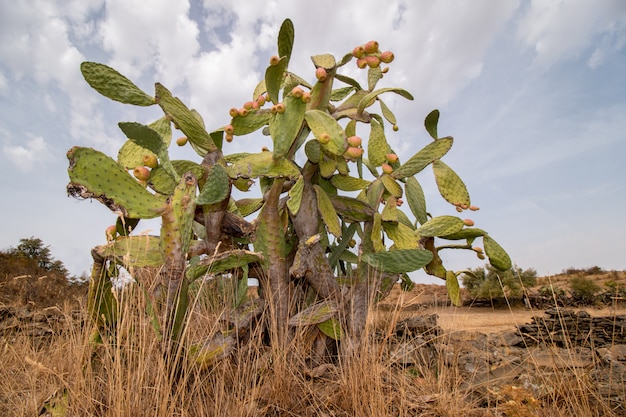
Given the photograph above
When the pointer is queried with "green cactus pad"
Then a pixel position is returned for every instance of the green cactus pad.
(404, 219)
(131, 155)
(430, 123)
(440, 226)
(286, 36)
(326, 61)
(253, 121)
(402, 235)
(96, 175)
(295, 196)
(416, 199)
(163, 183)
(454, 291)
(150, 139)
(387, 113)
(352, 209)
(347, 183)
(274, 75)
(367, 99)
(315, 314)
(327, 211)
(263, 165)
(399, 261)
(331, 328)
(391, 185)
(377, 146)
(114, 85)
(427, 155)
(377, 233)
(134, 251)
(390, 211)
(328, 164)
(185, 120)
(498, 258)
(313, 149)
(467, 233)
(340, 93)
(248, 206)
(216, 187)
(373, 76)
(284, 127)
(451, 186)
(322, 123)
(223, 262)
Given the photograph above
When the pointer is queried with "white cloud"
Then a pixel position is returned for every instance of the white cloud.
(596, 59)
(563, 29)
(28, 156)
(4, 85)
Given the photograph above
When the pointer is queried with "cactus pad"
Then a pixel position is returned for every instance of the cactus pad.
(425, 156)
(399, 261)
(451, 186)
(114, 85)
(441, 226)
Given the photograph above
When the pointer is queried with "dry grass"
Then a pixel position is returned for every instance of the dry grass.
(127, 375)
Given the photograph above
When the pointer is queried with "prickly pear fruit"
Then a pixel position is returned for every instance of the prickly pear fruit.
(320, 74)
(370, 47)
(242, 112)
(399, 202)
(306, 97)
(361, 62)
(477, 249)
(229, 137)
(278, 108)
(247, 105)
(297, 92)
(229, 130)
(274, 60)
(480, 256)
(353, 152)
(468, 222)
(141, 173)
(474, 208)
(261, 100)
(150, 161)
(395, 128)
(387, 169)
(358, 52)
(182, 141)
(372, 61)
(324, 138)
(355, 141)
(233, 112)
(391, 158)
(386, 57)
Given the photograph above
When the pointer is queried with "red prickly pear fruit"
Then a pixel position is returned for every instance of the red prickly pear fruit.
(243, 112)
(233, 112)
(370, 47)
(384, 70)
(297, 92)
(150, 161)
(477, 249)
(182, 141)
(229, 137)
(464, 206)
(387, 169)
(324, 138)
(480, 256)
(358, 52)
(141, 173)
(261, 100)
(229, 129)
(468, 222)
(274, 60)
(247, 105)
(353, 152)
(386, 57)
(459, 209)
(255, 105)
(474, 208)
(395, 128)
(392, 158)
(372, 61)
(399, 202)
(355, 141)
(111, 233)
(361, 63)
(321, 74)
(306, 97)
(280, 108)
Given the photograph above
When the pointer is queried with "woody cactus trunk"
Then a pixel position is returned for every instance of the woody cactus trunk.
(328, 235)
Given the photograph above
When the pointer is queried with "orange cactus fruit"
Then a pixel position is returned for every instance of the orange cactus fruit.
(372, 61)
(247, 105)
(261, 100)
(474, 208)
(468, 222)
(361, 62)
(229, 137)
(321, 74)
(353, 152)
(306, 97)
(243, 112)
(150, 161)
(141, 173)
(386, 57)
(297, 92)
(182, 141)
(358, 52)
(355, 141)
(229, 129)
(399, 202)
(274, 60)
(391, 158)
(477, 249)
(387, 169)
(233, 112)
(324, 138)
(370, 47)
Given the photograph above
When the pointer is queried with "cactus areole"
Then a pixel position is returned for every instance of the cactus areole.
(298, 232)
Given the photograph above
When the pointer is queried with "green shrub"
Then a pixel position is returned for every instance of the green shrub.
(583, 289)
(489, 283)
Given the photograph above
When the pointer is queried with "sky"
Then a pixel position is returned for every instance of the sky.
(534, 93)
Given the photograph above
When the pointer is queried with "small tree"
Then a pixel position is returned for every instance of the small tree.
(489, 283)
(34, 248)
(583, 289)
(320, 254)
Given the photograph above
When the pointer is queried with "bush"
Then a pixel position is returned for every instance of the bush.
(489, 283)
(583, 289)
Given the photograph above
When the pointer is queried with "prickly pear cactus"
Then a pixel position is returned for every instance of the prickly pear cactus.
(299, 229)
